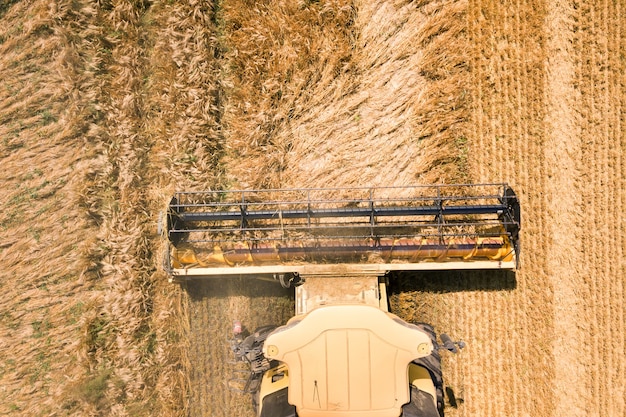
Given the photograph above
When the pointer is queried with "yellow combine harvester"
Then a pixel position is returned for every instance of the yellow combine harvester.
(343, 353)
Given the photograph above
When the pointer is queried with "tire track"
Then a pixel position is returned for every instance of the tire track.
(565, 264)
(586, 81)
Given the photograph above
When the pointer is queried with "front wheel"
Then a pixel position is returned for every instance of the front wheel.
(432, 364)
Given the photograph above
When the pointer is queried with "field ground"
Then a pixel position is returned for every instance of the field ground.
(107, 107)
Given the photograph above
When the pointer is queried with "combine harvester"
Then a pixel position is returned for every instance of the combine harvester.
(343, 353)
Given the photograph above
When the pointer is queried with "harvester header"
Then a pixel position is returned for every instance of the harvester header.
(321, 230)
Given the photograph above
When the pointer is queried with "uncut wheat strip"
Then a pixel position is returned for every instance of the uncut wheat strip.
(337, 90)
(369, 119)
(252, 124)
(193, 127)
(38, 262)
(445, 60)
(401, 45)
(189, 89)
(124, 297)
(28, 91)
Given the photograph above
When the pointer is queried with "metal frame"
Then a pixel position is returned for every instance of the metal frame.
(306, 217)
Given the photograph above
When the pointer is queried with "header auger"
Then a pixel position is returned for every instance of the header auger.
(372, 230)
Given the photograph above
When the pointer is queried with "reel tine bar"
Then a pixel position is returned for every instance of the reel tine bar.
(351, 218)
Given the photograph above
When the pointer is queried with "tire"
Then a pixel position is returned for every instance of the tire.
(432, 363)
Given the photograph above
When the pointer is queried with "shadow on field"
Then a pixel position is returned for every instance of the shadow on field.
(199, 289)
(404, 281)
(452, 281)
(453, 399)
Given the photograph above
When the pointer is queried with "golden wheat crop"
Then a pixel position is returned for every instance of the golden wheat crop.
(107, 107)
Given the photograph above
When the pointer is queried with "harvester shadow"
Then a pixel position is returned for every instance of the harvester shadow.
(453, 400)
(227, 286)
(452, 281)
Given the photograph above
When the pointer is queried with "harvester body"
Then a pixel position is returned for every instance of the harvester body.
(343, 353)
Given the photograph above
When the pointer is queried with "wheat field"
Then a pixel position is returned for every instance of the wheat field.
(109, 106)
